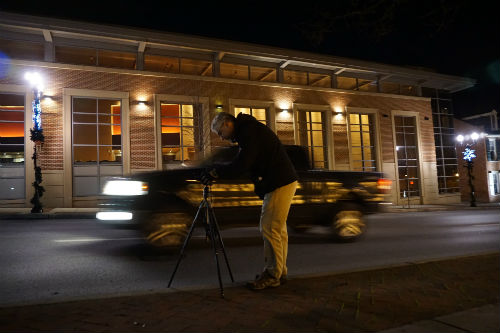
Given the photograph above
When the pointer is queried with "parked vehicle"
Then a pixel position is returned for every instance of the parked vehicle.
(162, 204)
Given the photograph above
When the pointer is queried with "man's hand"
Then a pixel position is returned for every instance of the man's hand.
(208, 176)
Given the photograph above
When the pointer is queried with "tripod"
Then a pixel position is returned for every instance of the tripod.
(207, 216)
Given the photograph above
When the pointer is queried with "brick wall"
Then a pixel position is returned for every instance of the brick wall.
(142, 126)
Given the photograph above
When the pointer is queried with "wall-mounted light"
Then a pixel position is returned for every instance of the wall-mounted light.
(284, 114)
(218, 106)
(338, 109)
(48, 98)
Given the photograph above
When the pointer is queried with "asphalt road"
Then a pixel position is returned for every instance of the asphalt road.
(55, 260)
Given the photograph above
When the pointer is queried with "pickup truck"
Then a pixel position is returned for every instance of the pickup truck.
(162, 204)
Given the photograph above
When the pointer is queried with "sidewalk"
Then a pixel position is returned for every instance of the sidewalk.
(453, 295)
(68, 213)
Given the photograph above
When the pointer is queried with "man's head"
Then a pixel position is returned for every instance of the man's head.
(223, 125)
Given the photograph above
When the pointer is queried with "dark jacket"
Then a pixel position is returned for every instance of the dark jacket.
(261, 155)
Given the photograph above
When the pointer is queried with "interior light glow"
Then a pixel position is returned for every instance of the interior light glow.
(125, 187)
(107, 216)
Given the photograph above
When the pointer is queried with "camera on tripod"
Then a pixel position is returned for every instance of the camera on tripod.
(208, 176)
(206, 216)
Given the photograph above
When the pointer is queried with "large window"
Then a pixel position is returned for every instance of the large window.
(258, 113)
(97, 143)
(180, 136)
(362, 135)
(313, 135)
(444, 140)
(94, 57)
(11, 146)
(264, 74)
(234, 71)
(407, 156)
(492, 148)
(494, 182)
(22, 49)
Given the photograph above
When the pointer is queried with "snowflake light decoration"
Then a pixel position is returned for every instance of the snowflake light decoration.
(469, 154)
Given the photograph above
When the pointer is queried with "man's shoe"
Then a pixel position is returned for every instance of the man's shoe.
(263, 281)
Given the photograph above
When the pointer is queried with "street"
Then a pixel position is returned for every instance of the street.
(58, 260)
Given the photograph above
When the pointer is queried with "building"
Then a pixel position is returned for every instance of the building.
(119, 100)
(486, 169)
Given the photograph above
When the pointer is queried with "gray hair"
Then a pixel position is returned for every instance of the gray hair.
(219, 120)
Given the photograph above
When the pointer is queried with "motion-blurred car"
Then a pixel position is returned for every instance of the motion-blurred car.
(162, 204)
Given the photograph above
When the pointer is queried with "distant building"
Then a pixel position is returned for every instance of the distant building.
(487, 163)
(122, 100)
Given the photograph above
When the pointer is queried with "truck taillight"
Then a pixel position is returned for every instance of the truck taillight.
(384, 185)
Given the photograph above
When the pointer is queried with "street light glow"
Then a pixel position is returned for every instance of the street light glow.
(460, 138)
(474, 136)
(35, 80)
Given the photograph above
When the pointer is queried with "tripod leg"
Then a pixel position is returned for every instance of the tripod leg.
(214, 245)
(188, 237)
(215, 226)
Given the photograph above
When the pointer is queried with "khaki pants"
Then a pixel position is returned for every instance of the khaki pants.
(273, 217)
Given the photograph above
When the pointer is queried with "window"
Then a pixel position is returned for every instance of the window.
(22, 49)
(295, 77)
(94, 57)
(263, 74)
(320, 80)
(346, 83)
(233, 71)
(361, 129)
(493, 149)
(161, 64)
(97, 143)
(313, 136)
(258, 113)
(389, 88)
(76, 55)
(367, 85)
(196, 67)
(407, 156)
(180, 143)
(408, 90)
(494, 182)
(11, 146)
(446, 156)
(115, 59)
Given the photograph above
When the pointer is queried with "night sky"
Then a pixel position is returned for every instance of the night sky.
(451, 37)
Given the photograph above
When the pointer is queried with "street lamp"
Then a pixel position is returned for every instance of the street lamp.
(469, 155)
(35, 82)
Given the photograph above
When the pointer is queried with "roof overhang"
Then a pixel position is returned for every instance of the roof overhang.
(67, 32)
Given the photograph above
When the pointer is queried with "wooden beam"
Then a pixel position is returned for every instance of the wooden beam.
(339, 71)
(142, 47)
(266, 75)
(209, 66)
(285, 63)
(318, 80)
(47, 35)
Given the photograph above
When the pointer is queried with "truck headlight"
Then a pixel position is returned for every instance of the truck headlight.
(125, 187)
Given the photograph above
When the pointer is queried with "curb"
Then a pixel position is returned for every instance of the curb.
(44, 216)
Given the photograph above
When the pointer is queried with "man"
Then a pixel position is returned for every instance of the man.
(264, 158)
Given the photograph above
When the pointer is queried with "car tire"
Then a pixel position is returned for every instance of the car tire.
(166, 230)
(348, 223)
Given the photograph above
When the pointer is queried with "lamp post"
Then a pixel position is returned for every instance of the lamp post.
(469, 155)
(37, 137)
